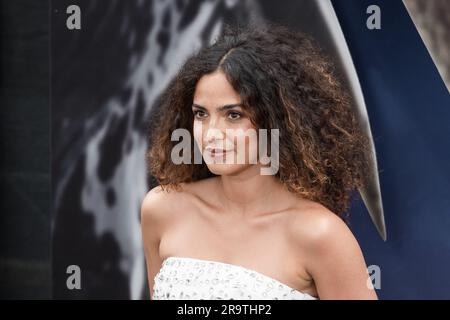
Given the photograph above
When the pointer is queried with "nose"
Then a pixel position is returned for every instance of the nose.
(213, 134)
(214, 131)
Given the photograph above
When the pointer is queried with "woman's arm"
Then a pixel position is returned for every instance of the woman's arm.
(152, 217)
(334, 259)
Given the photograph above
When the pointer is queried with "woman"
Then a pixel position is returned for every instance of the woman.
(222, 229)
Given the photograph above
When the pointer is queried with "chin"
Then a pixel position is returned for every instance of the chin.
(226, 169)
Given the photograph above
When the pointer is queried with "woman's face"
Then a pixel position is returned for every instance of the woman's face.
(222, 129)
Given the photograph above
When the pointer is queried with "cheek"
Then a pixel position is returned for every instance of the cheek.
(245, 141)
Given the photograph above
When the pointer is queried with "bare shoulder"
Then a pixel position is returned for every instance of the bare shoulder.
(331, 254)
(155, 202)
(315, 226)
(193, 193)
(155, 208)
(161, 204)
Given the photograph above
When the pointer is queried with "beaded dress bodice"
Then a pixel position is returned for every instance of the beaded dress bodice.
(196, 279)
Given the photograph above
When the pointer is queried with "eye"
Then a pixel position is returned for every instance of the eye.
(199, 114)
(233, 115)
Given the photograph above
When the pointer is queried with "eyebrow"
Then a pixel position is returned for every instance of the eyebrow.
(224, 107)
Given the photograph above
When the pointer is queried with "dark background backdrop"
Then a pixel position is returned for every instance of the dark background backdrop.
(24, 150)
(408, 106)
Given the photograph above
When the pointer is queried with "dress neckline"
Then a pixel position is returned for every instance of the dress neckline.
(238, 267)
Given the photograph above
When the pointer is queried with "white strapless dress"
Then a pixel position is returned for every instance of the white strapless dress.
(182, 278)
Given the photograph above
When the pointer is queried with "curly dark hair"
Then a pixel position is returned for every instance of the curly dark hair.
(285, 82)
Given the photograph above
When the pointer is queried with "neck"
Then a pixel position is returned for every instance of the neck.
(249, 191)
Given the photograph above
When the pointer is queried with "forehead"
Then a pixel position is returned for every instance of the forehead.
(214, 90)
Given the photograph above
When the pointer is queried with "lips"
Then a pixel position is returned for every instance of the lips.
(216, 152)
